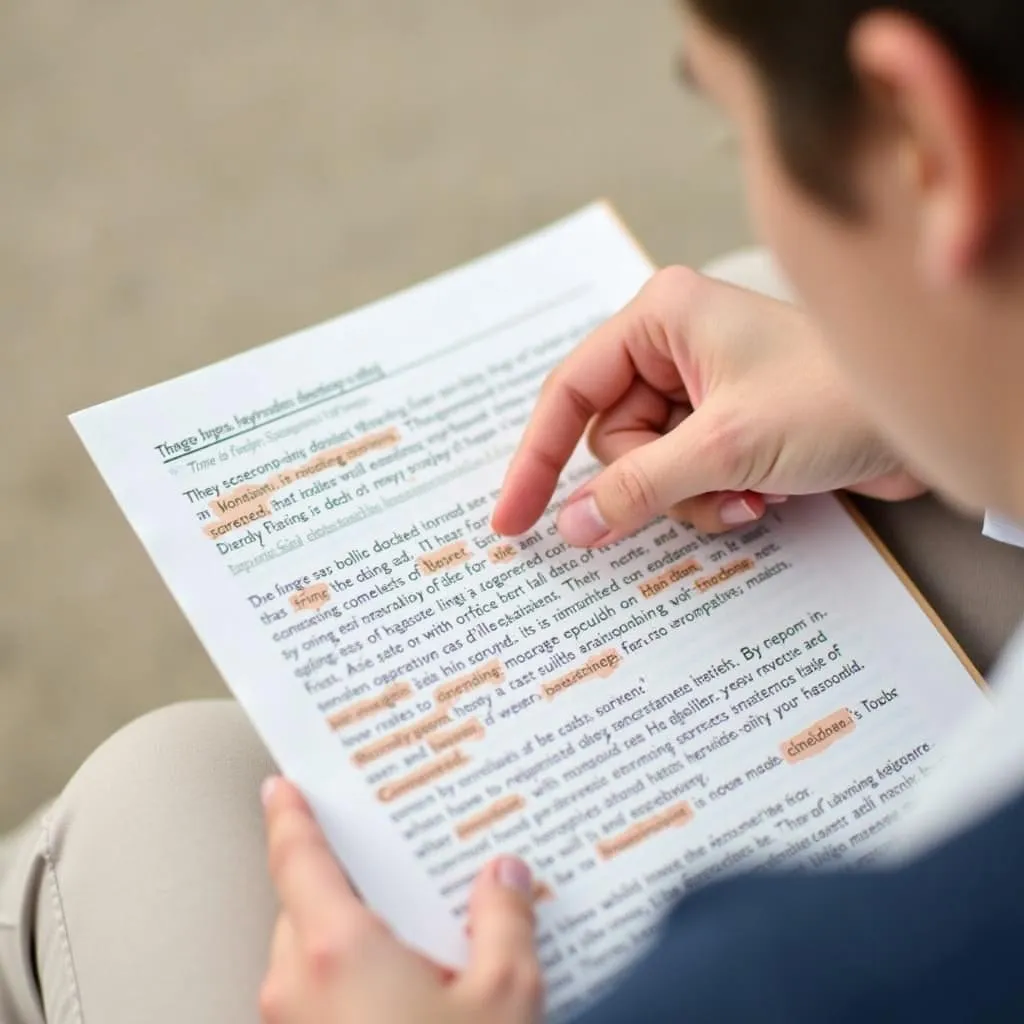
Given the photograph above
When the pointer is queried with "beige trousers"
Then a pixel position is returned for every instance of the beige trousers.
(140, 896)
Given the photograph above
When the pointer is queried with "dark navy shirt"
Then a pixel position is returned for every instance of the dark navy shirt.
(938, 940)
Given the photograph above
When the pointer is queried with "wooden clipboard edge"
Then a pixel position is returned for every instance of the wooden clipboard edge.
(912, 588)
(609, 207)
(854, 513)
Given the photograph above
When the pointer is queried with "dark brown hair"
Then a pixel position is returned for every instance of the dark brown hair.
(799, 48)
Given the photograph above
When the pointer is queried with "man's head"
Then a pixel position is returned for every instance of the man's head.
(884, 155)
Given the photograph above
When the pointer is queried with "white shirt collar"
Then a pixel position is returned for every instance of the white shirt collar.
(1000, 528)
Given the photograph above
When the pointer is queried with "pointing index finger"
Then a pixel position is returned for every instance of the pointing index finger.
(592, 379)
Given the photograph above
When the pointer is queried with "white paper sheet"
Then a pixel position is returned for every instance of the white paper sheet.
(634, 723)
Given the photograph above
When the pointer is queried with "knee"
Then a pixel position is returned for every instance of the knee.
(153, 856)
(184, 763)
(203, 740)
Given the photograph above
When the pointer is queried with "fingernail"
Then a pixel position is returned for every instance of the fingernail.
(514, 874)
(737, 511)
(267, 790)
(581, 523)
(776, 499)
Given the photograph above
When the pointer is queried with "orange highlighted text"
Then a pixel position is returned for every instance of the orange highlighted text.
(502, 553)
(600, 666)
(673, 574)
(249, 503)
(675, 817)
(311, 598)
(422, 776)
(492, 672)
(465, 732)
(725, 574)
(819, 737)
(450, 557)
(384, 701)
(489, 816)
(400, 738)
(542, 892)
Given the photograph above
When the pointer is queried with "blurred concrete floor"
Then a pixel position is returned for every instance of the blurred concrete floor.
(180, 181)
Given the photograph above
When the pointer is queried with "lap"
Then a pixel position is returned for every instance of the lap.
(144, 889)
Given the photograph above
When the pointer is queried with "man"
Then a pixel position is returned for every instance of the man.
(884, 155)
(884, 150)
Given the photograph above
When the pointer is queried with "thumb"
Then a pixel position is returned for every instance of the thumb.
(648, 481)
(504, 974)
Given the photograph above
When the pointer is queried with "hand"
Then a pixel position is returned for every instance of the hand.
(332, 961)
(706, 402)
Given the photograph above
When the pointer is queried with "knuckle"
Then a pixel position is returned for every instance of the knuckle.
(331, 948)
(324, 955)
(673, 285)
(558, 390)
(665, 306)
(728, 446)
(675, 278)
(326, 950)
(551, 382)
(632, 488)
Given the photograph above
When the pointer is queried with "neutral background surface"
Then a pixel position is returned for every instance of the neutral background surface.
(180, 181)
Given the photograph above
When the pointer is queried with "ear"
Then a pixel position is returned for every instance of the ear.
(953, 151)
